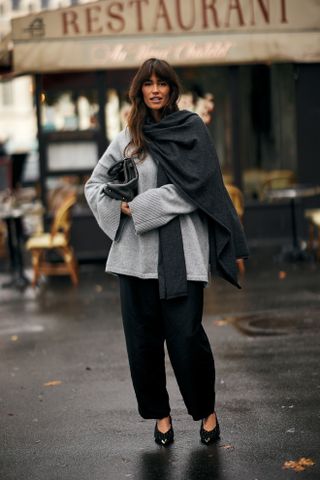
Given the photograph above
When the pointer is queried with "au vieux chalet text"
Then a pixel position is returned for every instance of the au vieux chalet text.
(160, 16)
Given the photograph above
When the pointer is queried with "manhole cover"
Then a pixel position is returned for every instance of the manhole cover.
(277, 323)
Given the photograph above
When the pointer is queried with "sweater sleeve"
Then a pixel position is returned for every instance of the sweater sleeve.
(157, 206)
(106, 210)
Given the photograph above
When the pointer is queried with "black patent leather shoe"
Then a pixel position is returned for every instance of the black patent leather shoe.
(163, 439)
(210, 436)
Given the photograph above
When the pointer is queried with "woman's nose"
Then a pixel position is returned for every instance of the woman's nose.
(155, 88)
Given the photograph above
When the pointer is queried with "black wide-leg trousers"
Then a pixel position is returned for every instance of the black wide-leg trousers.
(148, 323)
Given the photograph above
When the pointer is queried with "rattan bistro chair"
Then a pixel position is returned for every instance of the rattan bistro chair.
(313, 217)
(238, 201)
(57, 240)
(277, 179)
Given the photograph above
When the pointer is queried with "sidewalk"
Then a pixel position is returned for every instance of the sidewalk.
(67, 407)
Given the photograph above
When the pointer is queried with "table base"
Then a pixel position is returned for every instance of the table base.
(20, 282)
(293, 254)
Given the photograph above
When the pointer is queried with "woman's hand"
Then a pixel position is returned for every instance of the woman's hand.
(125, 208)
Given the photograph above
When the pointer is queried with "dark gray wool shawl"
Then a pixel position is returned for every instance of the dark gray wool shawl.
(186, 156)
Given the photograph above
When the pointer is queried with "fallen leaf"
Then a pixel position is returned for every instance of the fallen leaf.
(53, 383)
(220, 323)
(282, 275)
(14, 338)
(298, 465)
(98, 288)
(227, 447)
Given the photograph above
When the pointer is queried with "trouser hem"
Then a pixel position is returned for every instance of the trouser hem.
(204, 414)
(154, 416)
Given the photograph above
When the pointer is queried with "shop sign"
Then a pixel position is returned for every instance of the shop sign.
(158, 17)
(123, 33)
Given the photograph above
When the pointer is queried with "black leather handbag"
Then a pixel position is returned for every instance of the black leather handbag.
(124, 180)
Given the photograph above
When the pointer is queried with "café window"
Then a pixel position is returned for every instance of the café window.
(72, 134)
(69, 102)
(268, 145)
(69, 110)
(117, 103)
(114, 108)
(266, 156)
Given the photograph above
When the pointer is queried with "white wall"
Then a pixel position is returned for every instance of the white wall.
(17, 114)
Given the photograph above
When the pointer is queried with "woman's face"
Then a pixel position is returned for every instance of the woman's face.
(156, 93)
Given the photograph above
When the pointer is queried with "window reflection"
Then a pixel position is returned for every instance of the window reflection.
(202, 105)
(69, 111)
(112, 113)
(268, 153)
(117, 109)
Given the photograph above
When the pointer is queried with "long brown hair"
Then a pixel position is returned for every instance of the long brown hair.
(139, 110)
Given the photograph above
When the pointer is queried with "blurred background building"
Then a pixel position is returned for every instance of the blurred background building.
(250, 68)
(18, 126)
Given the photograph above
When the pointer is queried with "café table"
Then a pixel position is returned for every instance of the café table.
(293, 193)
(12, 216)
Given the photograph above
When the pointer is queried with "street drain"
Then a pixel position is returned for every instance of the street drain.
(277, 323)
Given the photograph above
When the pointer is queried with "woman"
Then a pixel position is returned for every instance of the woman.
(163, 241)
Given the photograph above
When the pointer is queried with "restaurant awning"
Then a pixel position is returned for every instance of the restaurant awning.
(119, 34)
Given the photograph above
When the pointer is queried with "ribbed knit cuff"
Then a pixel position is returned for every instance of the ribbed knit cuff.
(109, 214)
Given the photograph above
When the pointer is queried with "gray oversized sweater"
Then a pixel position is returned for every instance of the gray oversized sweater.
(135, 239)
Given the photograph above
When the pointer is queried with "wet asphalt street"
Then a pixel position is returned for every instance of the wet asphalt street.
(67, 406)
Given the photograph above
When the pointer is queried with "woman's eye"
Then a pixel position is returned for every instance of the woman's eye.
(146, 84)
(163, 84)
